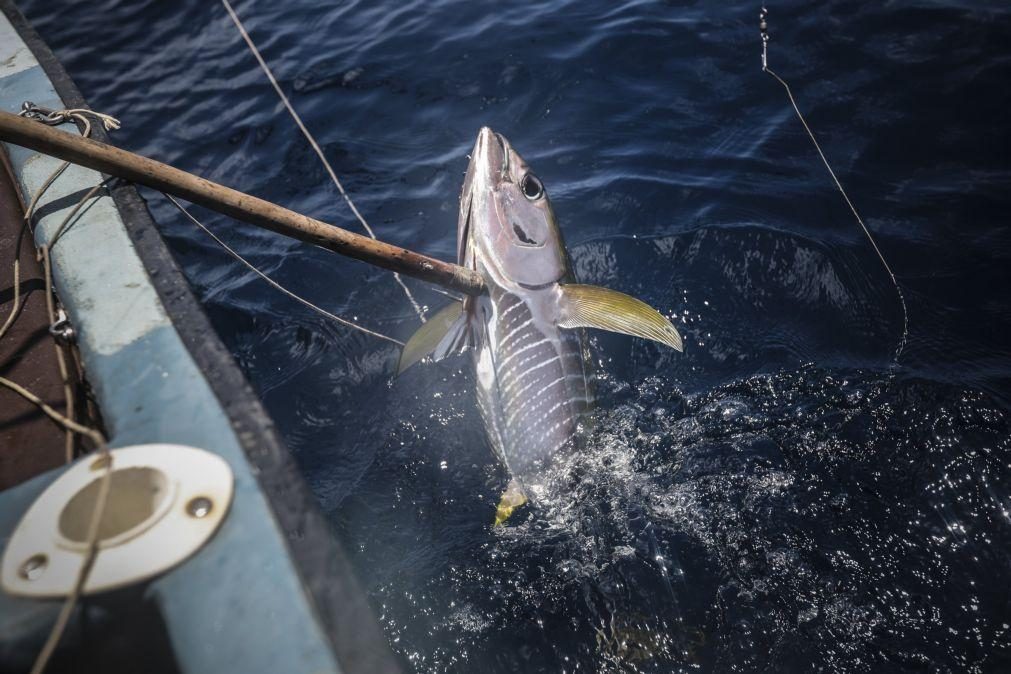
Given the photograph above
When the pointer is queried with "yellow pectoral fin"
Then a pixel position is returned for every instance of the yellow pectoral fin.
(512, 498)
(594, 307)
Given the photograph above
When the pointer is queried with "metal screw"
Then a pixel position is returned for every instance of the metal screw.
(199, 507)
(33, 567)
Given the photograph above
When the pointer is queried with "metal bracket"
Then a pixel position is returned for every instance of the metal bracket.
(62, 331)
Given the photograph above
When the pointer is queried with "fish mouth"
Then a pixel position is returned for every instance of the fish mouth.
(489, 164)
(491, 157)
(497, 144)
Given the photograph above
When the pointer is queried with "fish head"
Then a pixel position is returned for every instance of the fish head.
(506, 219)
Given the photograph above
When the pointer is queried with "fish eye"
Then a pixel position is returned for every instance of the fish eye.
(532, 187)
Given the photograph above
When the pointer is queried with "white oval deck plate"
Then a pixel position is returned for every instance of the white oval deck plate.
(165, 502)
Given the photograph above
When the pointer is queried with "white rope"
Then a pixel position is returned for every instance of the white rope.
(315, 146)
(867, 232)
(96, 518)
(57, 117)
(17, 296)
(54, 118)
(275, 284)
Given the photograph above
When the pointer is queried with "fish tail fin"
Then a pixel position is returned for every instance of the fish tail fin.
(512, 498)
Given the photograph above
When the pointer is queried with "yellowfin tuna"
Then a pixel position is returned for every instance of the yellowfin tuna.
(530, 352)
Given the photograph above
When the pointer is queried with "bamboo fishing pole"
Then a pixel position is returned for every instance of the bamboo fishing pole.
(156, 175)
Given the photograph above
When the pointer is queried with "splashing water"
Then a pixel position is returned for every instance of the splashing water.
(780, 521)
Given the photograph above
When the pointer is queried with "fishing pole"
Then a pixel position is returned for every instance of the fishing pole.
(233, 203)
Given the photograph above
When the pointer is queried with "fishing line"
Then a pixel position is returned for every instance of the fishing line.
(315, 146)
(275, 284)
(763, 26)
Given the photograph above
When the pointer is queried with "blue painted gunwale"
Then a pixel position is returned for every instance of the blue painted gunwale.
(272, 591)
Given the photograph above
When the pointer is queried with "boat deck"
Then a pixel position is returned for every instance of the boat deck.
(31, 442)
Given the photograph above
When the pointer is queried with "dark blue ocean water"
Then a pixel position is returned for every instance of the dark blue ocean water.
(782, 496)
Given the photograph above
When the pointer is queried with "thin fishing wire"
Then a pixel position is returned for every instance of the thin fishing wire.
(56, 118)
(30, 211)
(275, 284)
(68, 389)
(77, 207)
(315, 146)
(842, 191)
(446, 293)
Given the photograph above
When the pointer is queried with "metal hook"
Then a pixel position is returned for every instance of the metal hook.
(62, 331)
(44, 115)
(763, 26)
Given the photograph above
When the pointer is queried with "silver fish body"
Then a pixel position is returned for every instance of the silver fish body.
(533, 373)
(533, 378)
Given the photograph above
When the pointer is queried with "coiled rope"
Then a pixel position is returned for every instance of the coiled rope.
(764, 28)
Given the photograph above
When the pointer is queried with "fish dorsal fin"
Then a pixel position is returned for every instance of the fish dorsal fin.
(584, 306)
(443, 334)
